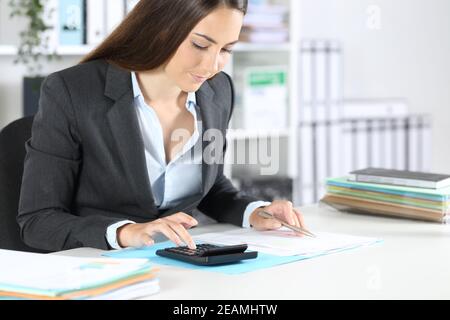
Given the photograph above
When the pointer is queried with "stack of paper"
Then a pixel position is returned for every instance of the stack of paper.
(274, 248)
(51, 277)
(284, 242)
(265, 23)
(384, 199)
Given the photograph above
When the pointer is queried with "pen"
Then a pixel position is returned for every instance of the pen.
(268, 215)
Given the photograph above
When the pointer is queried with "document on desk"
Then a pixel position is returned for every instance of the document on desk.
(41, 276)
(284, 242)
(274, 248)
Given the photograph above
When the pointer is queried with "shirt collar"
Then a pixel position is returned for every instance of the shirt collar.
(138, 93)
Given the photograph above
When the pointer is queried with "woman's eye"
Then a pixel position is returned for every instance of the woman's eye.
(199, 47)
(228, 51)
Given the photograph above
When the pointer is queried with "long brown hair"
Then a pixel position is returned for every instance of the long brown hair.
(152, 32)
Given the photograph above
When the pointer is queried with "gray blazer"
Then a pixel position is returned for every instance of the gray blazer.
(85, 166)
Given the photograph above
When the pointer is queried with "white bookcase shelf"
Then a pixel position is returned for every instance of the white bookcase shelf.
(238, 134)
(7, 50)
(74, 50)
(10, 50)
(262, 47)
(253, 53)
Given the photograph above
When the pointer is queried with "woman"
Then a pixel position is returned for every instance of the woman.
(104, 165)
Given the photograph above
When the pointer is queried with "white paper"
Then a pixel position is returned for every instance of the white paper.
(284, 242)
(138, 290)
(60, 273)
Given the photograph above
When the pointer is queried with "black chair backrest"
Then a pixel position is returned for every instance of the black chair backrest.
(12, 156)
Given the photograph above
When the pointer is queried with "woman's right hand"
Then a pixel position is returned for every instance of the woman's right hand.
(173, 227)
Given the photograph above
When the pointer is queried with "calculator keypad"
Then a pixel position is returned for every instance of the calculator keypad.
(201, 248)
(208, 254)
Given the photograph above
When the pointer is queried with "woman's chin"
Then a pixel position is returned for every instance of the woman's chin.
(191, 87)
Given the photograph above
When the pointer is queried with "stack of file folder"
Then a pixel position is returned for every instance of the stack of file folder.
(31, 276)
(384, 199)
(265, 23)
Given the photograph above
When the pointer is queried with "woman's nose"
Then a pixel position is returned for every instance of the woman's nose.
(212, 63)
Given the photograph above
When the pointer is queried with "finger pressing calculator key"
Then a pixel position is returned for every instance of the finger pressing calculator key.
(209, 254)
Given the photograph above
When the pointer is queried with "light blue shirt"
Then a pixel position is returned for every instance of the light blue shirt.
(182, 177)
(165, 178)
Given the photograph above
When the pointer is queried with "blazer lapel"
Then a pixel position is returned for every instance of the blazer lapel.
(124, 125)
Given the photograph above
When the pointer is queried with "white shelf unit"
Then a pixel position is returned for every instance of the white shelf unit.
(10, 50)
(288, 50)
(7, 50)
(289, 54)
(236, 134)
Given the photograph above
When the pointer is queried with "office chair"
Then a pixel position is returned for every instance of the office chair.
(12, 156)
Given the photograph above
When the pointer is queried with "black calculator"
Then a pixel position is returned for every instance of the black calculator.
(209, 254)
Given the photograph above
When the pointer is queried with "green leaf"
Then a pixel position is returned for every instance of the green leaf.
(33, 45)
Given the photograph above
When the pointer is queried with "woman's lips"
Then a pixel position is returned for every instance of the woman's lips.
(198, 79)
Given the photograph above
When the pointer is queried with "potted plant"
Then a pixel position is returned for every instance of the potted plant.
(34, 46)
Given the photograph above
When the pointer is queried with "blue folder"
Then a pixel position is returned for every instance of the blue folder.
(72, 24)
(261, 262)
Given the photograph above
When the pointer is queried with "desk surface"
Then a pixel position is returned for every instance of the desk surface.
(413, 262)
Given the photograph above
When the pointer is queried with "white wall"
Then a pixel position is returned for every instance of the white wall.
(409, 56)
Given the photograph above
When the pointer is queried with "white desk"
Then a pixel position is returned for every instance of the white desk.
(413, 262)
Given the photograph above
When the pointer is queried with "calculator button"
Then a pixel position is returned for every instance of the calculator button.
(201, 250)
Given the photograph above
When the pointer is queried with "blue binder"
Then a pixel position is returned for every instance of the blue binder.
(72, 22)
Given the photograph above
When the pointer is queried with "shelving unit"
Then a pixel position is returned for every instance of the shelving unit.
(265, 54)
(237, 134)
(10, 50)
(7, 50)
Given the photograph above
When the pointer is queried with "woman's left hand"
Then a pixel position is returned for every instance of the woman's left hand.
(281, 209)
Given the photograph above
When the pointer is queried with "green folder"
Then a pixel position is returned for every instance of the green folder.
(389, 198)
(439, 195)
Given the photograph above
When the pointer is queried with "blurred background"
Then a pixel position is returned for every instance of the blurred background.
(329, 85)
